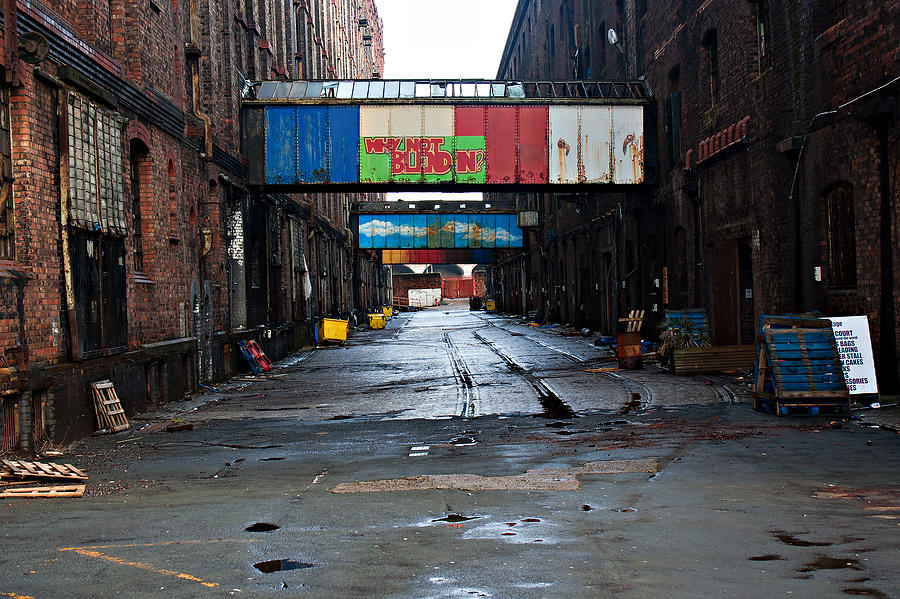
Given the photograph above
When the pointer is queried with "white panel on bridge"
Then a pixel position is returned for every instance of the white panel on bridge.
(628, 144)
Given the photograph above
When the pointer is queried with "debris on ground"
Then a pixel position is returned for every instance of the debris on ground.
(18, 472)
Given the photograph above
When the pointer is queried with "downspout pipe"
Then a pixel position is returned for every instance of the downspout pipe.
(192, 51)
(11, 41)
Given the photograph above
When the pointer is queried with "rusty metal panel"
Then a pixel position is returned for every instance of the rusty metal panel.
(312, 144)
(501, 144)
(596, 144)
(563, 146)
(533, 152)
(628, 143)
(281, 144)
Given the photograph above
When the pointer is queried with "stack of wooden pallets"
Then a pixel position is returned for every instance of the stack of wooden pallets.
(16, 474)
(798, 367)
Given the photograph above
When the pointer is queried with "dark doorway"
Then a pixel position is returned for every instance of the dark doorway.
(727, 325)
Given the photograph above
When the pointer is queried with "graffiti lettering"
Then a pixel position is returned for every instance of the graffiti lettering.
(424, 155)
(469, 161)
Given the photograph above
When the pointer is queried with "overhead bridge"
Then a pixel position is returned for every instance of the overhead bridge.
(377, 135)
(438, 233)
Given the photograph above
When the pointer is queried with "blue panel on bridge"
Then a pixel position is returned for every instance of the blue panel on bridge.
(281, 155)
(343, 144)
(312, 144)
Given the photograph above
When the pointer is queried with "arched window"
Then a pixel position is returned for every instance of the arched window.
(841, 236)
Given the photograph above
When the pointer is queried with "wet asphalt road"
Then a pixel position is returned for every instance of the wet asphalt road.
(459, 454)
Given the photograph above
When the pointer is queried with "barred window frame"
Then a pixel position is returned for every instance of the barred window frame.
(96, 167)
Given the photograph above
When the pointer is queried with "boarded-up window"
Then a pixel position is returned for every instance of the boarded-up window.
(841, 236)
(96, 189)
(7, 240)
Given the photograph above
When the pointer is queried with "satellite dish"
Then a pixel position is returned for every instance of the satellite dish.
(33, 47)
(612, 37)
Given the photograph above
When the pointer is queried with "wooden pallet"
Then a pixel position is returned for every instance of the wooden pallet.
(44, 492)
(108, 408)
(798, 366)
(697, 317)
(714, 358)
(633, 322)
(785, 408)
(40, 470)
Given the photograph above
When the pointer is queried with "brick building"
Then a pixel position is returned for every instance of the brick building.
(130, 247)
(776, 165)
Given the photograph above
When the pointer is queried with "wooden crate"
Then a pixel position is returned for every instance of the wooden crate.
(798, 366)
(718, 358)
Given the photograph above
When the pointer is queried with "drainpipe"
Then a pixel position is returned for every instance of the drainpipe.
(192, 51)
(11, 41)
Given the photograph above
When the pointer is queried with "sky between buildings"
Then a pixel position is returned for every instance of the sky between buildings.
(443, 39)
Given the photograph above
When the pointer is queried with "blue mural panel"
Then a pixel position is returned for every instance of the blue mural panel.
(502, 231)
(461, 231)
(281, 159)
(515, 233)
(434, 230)
(343, 146)
(365, 231)
(312, 150)
(392, 231)
(448, 224)
(420, 231)
(407, 238)
(489, 231)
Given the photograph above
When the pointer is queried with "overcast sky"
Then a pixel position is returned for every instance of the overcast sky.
(443, 39)
(438, 39)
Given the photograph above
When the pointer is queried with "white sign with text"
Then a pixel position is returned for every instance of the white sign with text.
(855, 349)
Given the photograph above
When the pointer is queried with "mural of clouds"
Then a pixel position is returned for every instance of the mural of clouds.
(446, 231)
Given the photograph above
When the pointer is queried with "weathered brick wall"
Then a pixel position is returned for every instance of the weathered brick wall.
(403, 283)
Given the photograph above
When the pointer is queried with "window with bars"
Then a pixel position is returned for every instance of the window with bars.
(841, 236)
(7, 237)
(96, 186)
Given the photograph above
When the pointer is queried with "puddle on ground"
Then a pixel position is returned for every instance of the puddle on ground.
(865, 592)
(586, 508)
(558, 424)
(531, 519)
(789, 539)
(765, 558)
(462, 441)
(270, 459)
(455, 518)
(831, 563)
(628, 510)
(262, 527)
(280, 565)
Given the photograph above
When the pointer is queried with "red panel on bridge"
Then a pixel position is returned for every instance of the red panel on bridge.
(470, 120)
(501, 144)
(533, 148)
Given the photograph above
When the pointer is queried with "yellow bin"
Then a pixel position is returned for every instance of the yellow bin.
(376, 321)
(334, 329)
(388, 311)
(490, 305)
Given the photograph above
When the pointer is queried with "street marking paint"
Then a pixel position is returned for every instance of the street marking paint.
(91, 552)
(143, 566)
(16, 596)
(418, 454)
(421, 448)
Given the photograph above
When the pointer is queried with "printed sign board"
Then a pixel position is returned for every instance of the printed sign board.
(855, 348)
